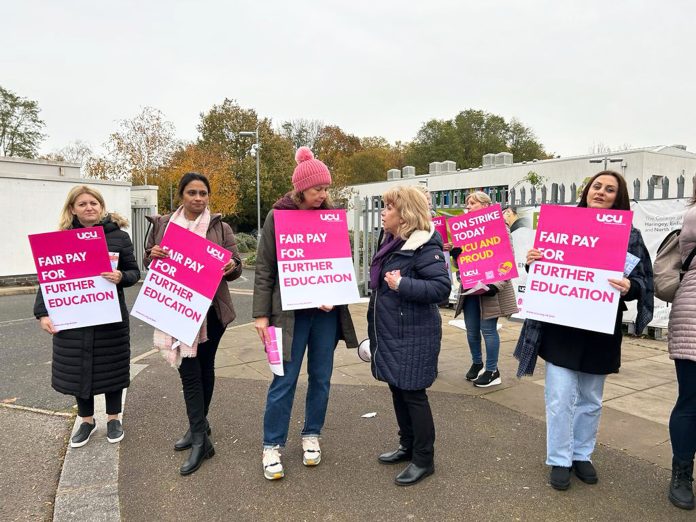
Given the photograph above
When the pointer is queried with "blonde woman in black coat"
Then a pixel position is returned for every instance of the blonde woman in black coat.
(95, 359)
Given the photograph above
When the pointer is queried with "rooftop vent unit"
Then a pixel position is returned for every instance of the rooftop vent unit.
(408, 172)
(488, 160)
(393, 174)
(449, 166)
(435, 167)
(503, 159)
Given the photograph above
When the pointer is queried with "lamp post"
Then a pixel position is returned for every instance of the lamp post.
(606, 160)
(256, 149)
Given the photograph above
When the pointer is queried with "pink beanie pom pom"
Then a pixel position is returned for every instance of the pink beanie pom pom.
(303, 154)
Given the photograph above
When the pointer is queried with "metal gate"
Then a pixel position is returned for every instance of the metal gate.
(139, 228)
(367, 220)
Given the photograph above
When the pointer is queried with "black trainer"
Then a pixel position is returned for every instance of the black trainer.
(82, 435)
(114, 431)
(559, 478)
(488, 378)
(585, 471)
(475, 370)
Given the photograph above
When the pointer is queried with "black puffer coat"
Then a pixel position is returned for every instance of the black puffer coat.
(404, 326)
(96, 359)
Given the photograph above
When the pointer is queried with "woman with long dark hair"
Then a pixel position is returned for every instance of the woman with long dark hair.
(578, 360)
(196, 363)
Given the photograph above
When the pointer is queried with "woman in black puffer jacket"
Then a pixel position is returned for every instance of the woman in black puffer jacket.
(408, 277)
(95, 359)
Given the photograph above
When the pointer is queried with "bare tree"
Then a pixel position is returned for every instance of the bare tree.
(137, 150)
(302, 132)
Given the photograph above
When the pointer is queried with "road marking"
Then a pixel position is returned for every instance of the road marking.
(37, 410)
(143, 356)
(11, 321)
(241, 291)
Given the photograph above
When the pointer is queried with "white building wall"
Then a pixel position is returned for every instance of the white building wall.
(32, 204)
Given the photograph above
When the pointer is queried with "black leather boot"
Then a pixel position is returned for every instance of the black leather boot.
(414, 474)
(681, 492)
(400, 454)
(184, 442)
(201, 449)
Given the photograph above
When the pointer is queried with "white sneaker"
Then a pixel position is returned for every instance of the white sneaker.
(312, 451)
(272, 466)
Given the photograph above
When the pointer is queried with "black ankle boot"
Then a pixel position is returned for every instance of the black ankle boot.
(184, 442)
(201, 449)
(681, 492)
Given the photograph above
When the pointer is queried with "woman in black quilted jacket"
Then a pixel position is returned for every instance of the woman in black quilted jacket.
(408, 277)
(93, 360)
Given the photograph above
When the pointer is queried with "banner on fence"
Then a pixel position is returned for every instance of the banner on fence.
(486, 250)
(177, 292)
(68, 264)
(582, 249)
(315, 265)
(655, 219)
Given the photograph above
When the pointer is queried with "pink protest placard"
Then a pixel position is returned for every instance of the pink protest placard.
(487, 255)
(315, 266)
(178, 290)
(274, 350)
(68, 264)
(440, 223)
(582, 249)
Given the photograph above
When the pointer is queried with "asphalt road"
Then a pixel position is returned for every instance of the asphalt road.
(25, 349)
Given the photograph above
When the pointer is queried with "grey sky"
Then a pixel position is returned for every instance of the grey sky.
(615, 72)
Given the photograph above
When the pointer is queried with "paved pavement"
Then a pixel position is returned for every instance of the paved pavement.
(489, 451)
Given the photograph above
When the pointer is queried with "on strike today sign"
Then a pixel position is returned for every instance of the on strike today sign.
(486, 251)
(315, 266)
(178, 290)
(582, 249)
(68, 264)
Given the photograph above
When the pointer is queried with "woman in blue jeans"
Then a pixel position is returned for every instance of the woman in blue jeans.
(315, 330)
(481, 313)
(579, 360)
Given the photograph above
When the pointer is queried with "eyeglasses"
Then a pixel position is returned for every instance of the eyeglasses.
(194, 193)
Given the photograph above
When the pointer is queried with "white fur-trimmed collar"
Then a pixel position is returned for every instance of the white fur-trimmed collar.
(418, 238)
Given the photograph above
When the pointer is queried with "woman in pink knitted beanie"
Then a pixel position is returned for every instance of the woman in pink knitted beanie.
(314, 330)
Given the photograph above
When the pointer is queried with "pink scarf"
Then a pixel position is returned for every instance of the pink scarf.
(172, 349)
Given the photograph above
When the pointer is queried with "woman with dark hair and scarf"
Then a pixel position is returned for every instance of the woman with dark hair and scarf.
(196, 363)
(577, 360)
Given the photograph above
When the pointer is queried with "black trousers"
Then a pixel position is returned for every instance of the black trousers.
(416, 426)
(682, 422)
(198, 375)
(85, 407)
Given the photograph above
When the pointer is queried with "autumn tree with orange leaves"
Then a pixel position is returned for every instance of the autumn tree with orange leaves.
(212, 161)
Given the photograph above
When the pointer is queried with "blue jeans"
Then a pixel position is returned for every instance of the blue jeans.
(317, 331)
(573, 407)
(475, 326)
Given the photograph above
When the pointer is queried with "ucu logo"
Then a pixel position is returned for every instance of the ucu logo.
(87, 235)
(470, 273)
(215, 252)
(330, 217)
(610, 219)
